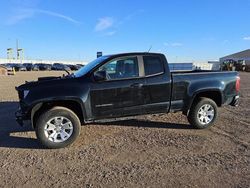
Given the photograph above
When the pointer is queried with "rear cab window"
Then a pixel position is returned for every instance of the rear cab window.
(153, 65)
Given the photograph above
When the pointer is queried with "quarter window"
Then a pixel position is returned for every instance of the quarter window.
(152, 65)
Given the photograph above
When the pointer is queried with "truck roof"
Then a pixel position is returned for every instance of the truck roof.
(132, 53)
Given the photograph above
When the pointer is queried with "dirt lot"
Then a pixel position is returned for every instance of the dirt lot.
(150, 151)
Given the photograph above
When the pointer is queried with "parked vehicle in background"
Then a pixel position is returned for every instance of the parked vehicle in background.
(227, 65)
(74, 67)
(29, 66)
(17, 66)
(122, 85)
(21, 67)
(59, 66)
(240, 65)
(35, 67)
(45, 67)
(80, 65)
(9, 67)
(247, 65)
(42, 67)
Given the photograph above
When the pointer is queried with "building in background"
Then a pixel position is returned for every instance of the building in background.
(216, 65)
(180, 66)
(243, 55)
(202, 65)
(206, 65)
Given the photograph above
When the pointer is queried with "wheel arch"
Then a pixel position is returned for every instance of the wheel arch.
(213, 94)
(71, 104)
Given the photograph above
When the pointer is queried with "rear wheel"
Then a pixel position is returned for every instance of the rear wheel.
(203, 113)
(57, 127)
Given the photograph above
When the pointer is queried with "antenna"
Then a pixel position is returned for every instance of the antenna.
(149, 48)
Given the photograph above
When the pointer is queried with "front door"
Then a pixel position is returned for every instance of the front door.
(122, 93)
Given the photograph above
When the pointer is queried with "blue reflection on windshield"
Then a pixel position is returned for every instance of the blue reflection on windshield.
(84, 70)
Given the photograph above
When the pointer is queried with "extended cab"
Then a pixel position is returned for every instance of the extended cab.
(122, 85)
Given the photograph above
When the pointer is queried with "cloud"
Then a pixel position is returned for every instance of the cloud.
(130, 16)
(108, 26)
(22, 14)
(246, 38)
(104, 24)
(174, 44)
(110, 33)
(55, 14)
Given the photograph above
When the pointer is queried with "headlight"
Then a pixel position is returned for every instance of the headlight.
(25, 93)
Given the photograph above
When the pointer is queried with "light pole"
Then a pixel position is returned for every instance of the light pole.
(9, 54)
(20, 54)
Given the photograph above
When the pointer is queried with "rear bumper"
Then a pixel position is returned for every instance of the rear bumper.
(235, 101)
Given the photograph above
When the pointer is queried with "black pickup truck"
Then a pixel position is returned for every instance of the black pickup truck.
(121, 85)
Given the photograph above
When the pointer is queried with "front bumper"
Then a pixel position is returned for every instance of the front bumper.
(235, 101)
(19, 117)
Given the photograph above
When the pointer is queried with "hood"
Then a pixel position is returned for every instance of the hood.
(41, 81)
(48, 78)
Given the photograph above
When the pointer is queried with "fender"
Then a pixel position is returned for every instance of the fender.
(198, 88)
(39, 104)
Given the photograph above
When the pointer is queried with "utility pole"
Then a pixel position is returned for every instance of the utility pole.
(20, 54)
(17, 53)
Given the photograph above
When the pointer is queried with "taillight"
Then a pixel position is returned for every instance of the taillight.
(237, 85)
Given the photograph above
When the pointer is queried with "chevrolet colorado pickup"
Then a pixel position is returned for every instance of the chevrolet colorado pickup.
(115, 86)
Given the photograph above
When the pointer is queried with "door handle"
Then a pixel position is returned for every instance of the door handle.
(136, 85)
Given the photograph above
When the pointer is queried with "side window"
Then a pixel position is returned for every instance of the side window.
(152, 65)
(121, 68)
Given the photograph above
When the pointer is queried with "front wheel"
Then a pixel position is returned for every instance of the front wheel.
(57, 127)
(203, 113)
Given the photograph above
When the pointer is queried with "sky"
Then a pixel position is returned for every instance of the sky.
(184, 30)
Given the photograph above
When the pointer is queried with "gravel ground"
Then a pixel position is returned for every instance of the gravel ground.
(149, 151)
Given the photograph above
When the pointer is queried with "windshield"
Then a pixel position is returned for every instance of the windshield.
(84, 70)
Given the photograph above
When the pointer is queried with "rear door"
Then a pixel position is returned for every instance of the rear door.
(122, 94)
(157, 84)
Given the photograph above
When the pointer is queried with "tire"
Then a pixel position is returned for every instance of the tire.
(57, 128)
(203, 113)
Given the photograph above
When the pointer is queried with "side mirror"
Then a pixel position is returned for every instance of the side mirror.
(100, 76)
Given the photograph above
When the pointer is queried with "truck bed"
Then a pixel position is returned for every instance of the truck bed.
(186, 84)
(194, 71)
